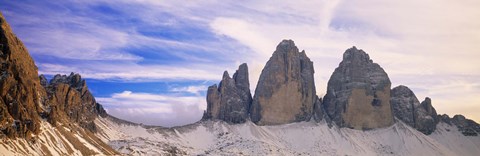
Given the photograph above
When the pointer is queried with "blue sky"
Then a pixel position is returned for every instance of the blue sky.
(151, 61)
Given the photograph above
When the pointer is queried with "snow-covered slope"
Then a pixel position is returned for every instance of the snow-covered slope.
(60, 140)
(304, 138)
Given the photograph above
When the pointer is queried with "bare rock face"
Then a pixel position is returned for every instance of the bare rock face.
(358, 93)
(230, 101)
(404, 103)
(20, 93)
(285, 92)
(406, 107)
(426, 117)
(466, 126)
(319, 112)
(71, 99)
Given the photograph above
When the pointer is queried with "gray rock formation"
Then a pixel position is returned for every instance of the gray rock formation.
(406, 107)
(426, 117)
(466, 126)
(230, 101)
(404, 103)
(358, 93)
(285, 92)
(319, 112)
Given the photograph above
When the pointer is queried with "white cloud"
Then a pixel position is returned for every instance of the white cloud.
(136, 73)
(155, 109)
(190, 89)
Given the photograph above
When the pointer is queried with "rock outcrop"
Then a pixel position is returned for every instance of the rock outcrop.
(406, 107)
(466, 126)
(358, 93)
(404, 103)
(70, 98)
(20, 91)
(319, 112)
(230, 101)
(285, 92)
(426, 117)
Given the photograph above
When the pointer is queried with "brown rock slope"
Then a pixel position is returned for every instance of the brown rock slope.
(25, 107)
(20, 90)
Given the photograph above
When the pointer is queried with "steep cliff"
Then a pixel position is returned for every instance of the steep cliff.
(285, 92)
(406, 107)
(21, 95)
(230, 101)
(358, 93)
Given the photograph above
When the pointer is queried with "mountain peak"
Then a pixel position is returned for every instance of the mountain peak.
(285, 92)
(358, 93)
(286, 46)
(356, 55)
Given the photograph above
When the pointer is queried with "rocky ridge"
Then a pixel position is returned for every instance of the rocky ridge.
(70, 98)
(31, 109)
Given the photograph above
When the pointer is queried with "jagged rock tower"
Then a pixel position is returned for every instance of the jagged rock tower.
(406, 107)
(358, 93)
(285, 92)
(230, 101)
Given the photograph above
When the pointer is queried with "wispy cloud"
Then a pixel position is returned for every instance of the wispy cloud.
(136, 73)
(197, 90)
(155, 109)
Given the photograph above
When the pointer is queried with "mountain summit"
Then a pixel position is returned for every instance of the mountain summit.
(358, 93)
(285, 92)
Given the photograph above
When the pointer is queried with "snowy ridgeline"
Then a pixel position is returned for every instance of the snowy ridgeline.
(305, 138)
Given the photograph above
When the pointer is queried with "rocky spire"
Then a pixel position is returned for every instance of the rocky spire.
(406, 107)
(358, 93)
(285, 92)
(230, 101)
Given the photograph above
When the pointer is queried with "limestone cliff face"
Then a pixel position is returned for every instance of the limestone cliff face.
(406, 107)
(285, 92)
(230, 101)
(358, 93)
(20, 89)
